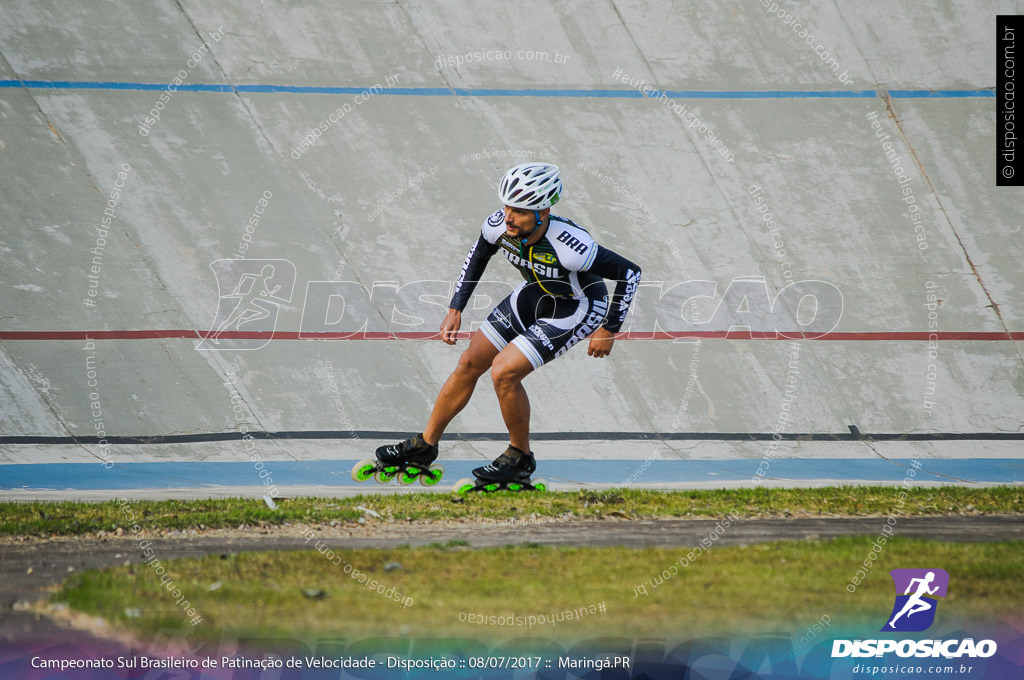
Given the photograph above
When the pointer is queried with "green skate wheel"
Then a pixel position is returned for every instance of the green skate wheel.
(407, 477)
(465, 485)
(364, 469)
(432, 475)
(386, 475)
(540, 484)
(515, 487)
(492, 487)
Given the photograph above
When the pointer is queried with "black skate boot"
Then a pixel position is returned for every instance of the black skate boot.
(414, 450)
(408, 461)
(510, 471)
(511, 466)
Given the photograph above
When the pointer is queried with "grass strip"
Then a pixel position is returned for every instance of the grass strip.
(452, 591)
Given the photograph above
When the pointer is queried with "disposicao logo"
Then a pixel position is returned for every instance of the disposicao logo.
(913, 612)
(257, 288)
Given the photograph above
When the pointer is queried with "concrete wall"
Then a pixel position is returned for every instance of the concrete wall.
(395, 191)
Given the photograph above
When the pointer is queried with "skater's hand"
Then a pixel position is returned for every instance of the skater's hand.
(451, 325)
(601, 343)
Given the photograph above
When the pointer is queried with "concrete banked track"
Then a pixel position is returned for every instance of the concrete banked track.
(876, 164)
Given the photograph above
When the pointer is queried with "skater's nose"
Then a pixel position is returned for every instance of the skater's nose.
(510, 216)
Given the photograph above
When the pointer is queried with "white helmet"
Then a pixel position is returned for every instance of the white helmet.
(533, 186)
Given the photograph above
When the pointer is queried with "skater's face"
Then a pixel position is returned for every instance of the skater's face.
(520, 223)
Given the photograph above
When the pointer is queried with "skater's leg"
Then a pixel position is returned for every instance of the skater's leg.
(507, 371)
(457, 390)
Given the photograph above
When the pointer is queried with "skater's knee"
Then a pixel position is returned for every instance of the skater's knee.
(471, 365)
(505, 372)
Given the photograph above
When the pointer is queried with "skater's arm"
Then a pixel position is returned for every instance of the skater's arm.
(472, 269)
(612, 266)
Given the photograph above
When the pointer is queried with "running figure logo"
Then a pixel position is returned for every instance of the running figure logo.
(258, 288)
(915, 611)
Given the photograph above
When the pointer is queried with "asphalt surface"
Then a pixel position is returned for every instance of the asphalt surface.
(30, 568)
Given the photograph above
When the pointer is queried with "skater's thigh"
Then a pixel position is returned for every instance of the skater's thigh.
(480, 354)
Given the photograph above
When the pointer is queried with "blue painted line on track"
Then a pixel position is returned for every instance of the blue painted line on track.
(495, 92)
(940, 94)
(197, 475)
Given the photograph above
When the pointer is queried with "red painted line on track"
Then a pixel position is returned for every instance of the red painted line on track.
(970, 336)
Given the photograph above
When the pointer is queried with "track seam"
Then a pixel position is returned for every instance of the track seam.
(886, 97)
